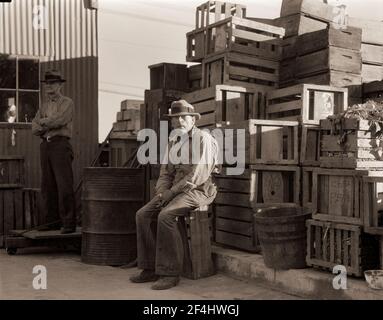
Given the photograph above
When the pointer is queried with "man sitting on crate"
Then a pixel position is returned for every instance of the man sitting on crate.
(180, 189)
(53, 124)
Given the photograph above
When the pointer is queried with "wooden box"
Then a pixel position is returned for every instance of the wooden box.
(330, 244)
(331, 58)
(336, 195)
(371, 30)
(11, 171)
(239, 69)
(373, 91)
(263, 142)
(195, 77)
(307, 187)
(371, 73)
(287, 73)
(298, 24)
(168, 76)
(309, 153)
(223, 103)
(351, 144)
(196, 45)
(306, 103)
(214, 11)
(372, 54)
(234, 225)
(373, 205)
(122, 150)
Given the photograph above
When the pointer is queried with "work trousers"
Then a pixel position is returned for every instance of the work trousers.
(159, 242)
(56, 158)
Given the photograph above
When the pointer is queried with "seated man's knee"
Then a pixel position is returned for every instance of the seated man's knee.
(141, 214)
(166, 217)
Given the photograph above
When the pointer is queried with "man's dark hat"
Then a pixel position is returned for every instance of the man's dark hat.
(53, 76)
(182, 108)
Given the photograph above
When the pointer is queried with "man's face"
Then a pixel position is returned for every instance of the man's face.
(183, 122)
(52, 87)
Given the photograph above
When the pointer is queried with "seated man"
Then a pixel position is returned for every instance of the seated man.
(180, 189)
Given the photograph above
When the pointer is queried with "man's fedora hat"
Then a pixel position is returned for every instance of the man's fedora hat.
(53, 76)
(182, 108)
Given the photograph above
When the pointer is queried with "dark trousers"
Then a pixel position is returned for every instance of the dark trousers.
(57, 181)
(159, 242)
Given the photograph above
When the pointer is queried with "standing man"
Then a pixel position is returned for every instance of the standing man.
(180, 188)
(53, 124)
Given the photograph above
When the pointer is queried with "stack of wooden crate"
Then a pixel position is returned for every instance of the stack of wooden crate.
(346, 193)
(123, 138)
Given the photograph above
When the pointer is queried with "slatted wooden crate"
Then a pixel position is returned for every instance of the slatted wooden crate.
(330, 244)
(371, 73)
(373, 91)
(371, 30)
(214, 11)
(307, 186)
(223, 103)
(373, 205)
(195, 77)
(234, 225)
(331, 58)
(336, 195)
(287, 73)
(305, 102)
(351, 144)
(262, 142)
(298, 24)
(239, 69)
(170, 76)
(11, 171)
(122, 149)
(309, 153)
(372, 54)
(19, 209)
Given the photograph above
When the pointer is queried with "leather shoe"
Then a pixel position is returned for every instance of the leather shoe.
(145, 276)
(165, 283)
(66, 230)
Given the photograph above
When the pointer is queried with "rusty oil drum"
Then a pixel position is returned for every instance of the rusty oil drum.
(110, 199)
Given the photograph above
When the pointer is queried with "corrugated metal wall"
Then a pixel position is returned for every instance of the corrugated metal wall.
(69, 44)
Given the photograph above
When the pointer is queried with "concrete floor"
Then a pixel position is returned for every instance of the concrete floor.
(68, 278)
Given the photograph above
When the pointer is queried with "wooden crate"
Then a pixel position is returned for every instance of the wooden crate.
(311, 8)
(264, 142)
(195, 77)
(371, 73)
(122, 149)
(298, 24)
(373, 205)
(351, 144)
(371, 30)
(373, 91)
(214, 11)
(287, 73)
(306, 102)
(170, 76)
(331, 244)
(11, 171)
(309, 153)
(239, 69)
(234, 225)
(372, 54)
(331, 58)
(307, 187)
(223, 103)
(336, 195)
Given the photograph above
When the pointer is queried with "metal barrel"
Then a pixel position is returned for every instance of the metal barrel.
(110, 199)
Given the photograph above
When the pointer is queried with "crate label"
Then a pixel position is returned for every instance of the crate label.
(323, 104)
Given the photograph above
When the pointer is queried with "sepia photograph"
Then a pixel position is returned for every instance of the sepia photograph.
(191, 157)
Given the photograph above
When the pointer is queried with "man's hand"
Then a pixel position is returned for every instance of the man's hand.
(165, 197)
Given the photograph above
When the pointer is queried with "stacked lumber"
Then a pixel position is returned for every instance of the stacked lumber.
(123, 137)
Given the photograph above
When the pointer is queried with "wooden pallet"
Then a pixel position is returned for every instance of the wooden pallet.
(309, 153)
(223, 103)
(11, 172)
(330, 244)
(298, 24)
(372, 205)
(169, 76)
(356, 150)
(305, 102)
(238, 69)
(195, 77)
(234, 224)
(373, 90)
(331, 58)
(262, 142)
(336, 195)
(214, 11)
